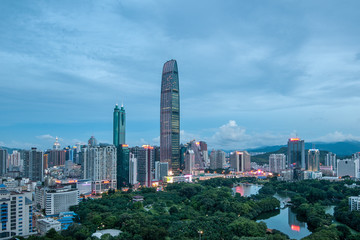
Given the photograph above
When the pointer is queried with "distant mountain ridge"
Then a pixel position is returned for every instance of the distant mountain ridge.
(345, 148)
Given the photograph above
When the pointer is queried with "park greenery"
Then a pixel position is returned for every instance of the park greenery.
(209, 210)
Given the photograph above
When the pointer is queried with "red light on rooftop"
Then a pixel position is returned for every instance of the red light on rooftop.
(125, 145)
(294, 139)
(295, 228)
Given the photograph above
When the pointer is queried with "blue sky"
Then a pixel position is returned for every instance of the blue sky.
(252, 73)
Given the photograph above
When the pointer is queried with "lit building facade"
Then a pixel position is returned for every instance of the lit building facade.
(240, 161)
(170, 117)
(313, 160)
(144, 163)
(296, 153)
(133, 169)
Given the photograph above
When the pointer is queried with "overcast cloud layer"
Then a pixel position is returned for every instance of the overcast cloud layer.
(252, 73)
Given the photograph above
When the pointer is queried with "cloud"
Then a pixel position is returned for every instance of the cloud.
(337, 136)
(45, 137)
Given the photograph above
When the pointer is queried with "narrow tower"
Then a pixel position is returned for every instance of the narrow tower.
(119, 125)
(170, 117)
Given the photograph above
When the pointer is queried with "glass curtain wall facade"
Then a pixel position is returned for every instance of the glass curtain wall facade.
(170, 117)
(119, 126)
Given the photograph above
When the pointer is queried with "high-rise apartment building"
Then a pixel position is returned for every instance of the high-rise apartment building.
(119, 125)
(296, 153)
(15, 161)
(330, 160)
(123, 160)
(240, 161)
(189, 162)
(144, 162)
(133, 169)
(313, 160)
(277, 163)
(34, 165)
(161, 170)
(100, 166)
(3, 161)
(170, 117)
(217, 159)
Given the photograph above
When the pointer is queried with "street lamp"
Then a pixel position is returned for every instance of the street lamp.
(200, 233)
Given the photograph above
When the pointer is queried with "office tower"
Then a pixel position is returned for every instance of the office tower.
(3, 161)
(123, 160)
(161, 170)
(240, 161)
(119, 124)
(16, 213)
(348, 167)
(133, 170)
(217, 159)
(313, 160)
(34, 165)
(170, 117)
(189, 162)
(204, 153)
(182, 156)
(100, 166)
(144, 163)
(330, 160)
(296, 153)
(277, 163)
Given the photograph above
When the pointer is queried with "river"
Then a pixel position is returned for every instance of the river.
(283, 220)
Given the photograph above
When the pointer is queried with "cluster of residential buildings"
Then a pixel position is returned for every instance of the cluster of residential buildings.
(300, 164)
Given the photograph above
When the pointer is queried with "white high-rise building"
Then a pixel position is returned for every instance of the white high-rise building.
(348, 167)
(189, 162)
(240, 161)
(330, 160)
(100, 166)
(133, 169)
(277, 163)
(16, 213)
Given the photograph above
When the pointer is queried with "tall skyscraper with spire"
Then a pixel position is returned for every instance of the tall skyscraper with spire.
(170, 117)
(119, 125)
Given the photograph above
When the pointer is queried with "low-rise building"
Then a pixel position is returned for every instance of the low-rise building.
(354, 203)
(45, 224)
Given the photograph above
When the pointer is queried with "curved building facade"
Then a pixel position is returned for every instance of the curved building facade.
(170, 117)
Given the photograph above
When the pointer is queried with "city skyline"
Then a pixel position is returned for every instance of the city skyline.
(249, 79)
